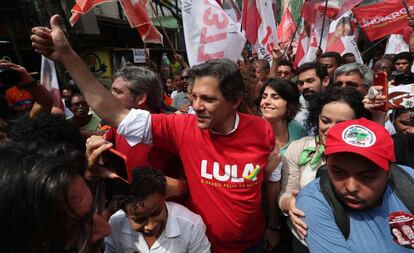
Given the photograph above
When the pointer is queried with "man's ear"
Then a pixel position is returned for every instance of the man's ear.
(237, 102)
(325, 82)
(140, 99)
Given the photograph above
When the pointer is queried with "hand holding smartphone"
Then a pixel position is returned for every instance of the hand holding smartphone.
(116, 162)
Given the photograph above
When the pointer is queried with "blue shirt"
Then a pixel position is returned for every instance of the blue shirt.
(370, 231)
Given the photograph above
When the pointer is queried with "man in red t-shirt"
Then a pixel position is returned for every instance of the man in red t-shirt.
(219, 147)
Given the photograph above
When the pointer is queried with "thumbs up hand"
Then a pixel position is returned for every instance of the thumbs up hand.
(51, 43)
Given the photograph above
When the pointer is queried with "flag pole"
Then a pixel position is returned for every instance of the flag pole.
(406, 8)
(369, 49)
(294, 34)
(162, 27)
(323, 22)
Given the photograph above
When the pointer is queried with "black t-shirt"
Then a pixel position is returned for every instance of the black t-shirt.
(404, 149)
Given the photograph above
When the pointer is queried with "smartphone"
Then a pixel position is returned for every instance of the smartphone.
(381, 79)
(116, 162)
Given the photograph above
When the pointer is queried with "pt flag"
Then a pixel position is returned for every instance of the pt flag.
(334, 10)
(136, 12)
(382, 19)
(287, 27)
(209, 32)
(82, 7)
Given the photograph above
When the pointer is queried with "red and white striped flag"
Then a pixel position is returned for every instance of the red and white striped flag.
(82, 7)
(136, 12)
(287, 27)
(303, 43)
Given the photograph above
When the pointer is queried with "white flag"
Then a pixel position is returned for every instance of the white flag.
(267, 34)
(48, 78)
(396, 44)
(209, 32)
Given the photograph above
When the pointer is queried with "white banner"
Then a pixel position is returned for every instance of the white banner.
(209, 32)
(267, 34)
(139, 55)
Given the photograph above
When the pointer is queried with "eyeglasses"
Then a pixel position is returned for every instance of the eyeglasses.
(347, 84)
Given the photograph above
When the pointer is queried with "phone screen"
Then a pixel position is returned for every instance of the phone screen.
(116, 162)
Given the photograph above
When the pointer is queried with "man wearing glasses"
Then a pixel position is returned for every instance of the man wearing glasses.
(354, 75)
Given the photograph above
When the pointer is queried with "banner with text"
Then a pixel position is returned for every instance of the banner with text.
(209, 32)
(267, 33)
(384, 18)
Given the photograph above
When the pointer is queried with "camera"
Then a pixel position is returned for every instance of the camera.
(9, 77)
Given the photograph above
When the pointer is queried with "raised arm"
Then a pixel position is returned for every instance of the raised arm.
(53, 44)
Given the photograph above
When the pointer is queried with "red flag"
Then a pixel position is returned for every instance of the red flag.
(83, 6)
(137, 15)
(287, 27)
(384, 18)
(335, 8)
(250, 20)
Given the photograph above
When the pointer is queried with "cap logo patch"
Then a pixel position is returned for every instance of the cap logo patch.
(360, 136)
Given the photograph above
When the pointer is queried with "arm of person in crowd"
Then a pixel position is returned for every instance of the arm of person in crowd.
(272, 232)
(372, 103)
(53, 44)
(272, 184)
(97, 145)
(176, 187)
(277, 54)
(42, 97)
(180, 60)
(290, 187)
(323, 234)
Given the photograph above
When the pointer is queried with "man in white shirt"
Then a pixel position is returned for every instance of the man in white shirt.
(147, 223)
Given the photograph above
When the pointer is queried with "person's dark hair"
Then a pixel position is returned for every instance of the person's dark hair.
(143, 80)
(334, 55)
(227, 72)
(75, 93)
(403, 55)
(320, 69)
(263, 65)
(288, 91)
(346, 95)
(285, 62)
(346, 55)
(397, 112)
(145, 181)
(46, 130)
(34, 210)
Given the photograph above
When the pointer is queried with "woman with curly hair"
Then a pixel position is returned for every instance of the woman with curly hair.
(305, 156)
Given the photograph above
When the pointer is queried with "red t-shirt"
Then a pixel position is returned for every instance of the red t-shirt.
(146, 155)
(214, 166)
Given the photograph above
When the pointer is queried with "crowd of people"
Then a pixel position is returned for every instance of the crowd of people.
(221, 157)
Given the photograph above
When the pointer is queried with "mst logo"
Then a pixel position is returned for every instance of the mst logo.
(230, 172)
